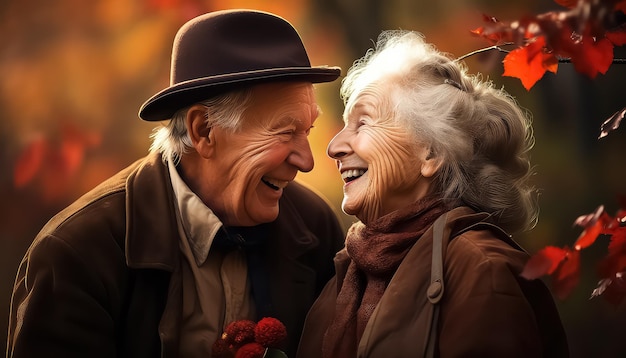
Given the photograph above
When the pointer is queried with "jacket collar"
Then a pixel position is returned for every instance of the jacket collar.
(152, 229)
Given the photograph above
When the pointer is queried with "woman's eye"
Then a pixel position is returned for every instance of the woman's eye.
(285, 135)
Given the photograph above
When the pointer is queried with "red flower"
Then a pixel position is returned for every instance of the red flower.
(250, 350)
(247, 339)
(270, 332)
(239, 332)
(221, 349)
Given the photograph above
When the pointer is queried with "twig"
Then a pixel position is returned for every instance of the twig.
(619, 61)
(494, 47)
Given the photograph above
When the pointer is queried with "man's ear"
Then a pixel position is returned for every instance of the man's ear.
(200, 133)
(430, 163)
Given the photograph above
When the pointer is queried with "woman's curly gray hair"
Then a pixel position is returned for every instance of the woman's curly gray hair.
(479, 133)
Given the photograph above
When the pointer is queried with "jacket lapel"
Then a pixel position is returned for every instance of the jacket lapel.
(151, 231)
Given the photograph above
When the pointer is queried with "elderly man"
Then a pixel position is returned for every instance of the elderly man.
(208, 229)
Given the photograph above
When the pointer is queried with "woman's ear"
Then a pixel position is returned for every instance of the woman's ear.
(430, 163)
(200, 133)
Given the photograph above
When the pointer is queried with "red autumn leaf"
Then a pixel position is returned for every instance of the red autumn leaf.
(615, 261)
(493, 37)
(615, 291)
(544, 262)
(588, 236)
(617, 38)
(594, 224)
(592, 230)
(50, 165)
(593, 57)
(74, 143)
(530, 63)
(29, 162)
(567, 3)
(567, 275)
(612, 288)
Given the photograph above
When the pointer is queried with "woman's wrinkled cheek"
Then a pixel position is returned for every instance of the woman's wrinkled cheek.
(371, 199)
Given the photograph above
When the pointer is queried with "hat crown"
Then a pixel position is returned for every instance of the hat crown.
(235, 41)
(226, 50)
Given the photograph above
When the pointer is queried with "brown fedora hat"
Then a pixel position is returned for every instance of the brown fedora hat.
(223, 50)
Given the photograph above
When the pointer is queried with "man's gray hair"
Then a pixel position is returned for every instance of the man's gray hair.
(225, 111)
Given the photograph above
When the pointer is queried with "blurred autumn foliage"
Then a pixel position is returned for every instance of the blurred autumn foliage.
(563, 264)
(584, 34)
(73, 75)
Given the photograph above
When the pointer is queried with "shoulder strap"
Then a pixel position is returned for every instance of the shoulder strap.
(502, 235)
(435, 290)
(436, 287)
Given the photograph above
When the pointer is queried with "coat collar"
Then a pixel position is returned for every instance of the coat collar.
(152, 229)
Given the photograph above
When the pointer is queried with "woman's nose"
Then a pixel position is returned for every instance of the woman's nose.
(338, 146)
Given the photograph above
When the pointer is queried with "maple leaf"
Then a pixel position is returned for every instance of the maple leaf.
(562, 264)
(593, 224)
(30, 161)
(567, 3)
(615, 261)
(74, 143)
(613, 290)
(612, 123)
(593, 56)
(544, 262)
(567, 275)
(584, 35)
(530, 63)
(617, 38)
(50, 164)
(487, 32)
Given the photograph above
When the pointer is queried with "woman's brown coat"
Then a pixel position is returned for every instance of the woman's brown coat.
(487, 309)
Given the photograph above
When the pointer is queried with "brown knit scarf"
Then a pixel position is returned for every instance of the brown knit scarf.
(376, 251)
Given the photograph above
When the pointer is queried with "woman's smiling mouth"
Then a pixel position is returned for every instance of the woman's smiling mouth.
(352, 174)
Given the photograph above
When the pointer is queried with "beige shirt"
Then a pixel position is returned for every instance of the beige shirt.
(215, 285)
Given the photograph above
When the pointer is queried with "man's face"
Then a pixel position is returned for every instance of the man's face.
(257, 161)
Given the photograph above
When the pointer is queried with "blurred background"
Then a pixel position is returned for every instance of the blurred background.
(74, 73)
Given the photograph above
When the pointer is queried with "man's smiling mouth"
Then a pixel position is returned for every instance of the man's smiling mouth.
(274, 183)
(352, 174)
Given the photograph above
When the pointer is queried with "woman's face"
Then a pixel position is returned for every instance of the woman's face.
(379, 160)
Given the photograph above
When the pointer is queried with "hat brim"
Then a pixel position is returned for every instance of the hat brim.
(164, 104)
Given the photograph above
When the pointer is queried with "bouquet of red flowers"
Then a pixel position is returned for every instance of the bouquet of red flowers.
(247, 339)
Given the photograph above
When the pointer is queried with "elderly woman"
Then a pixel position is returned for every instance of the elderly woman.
(424, 140)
